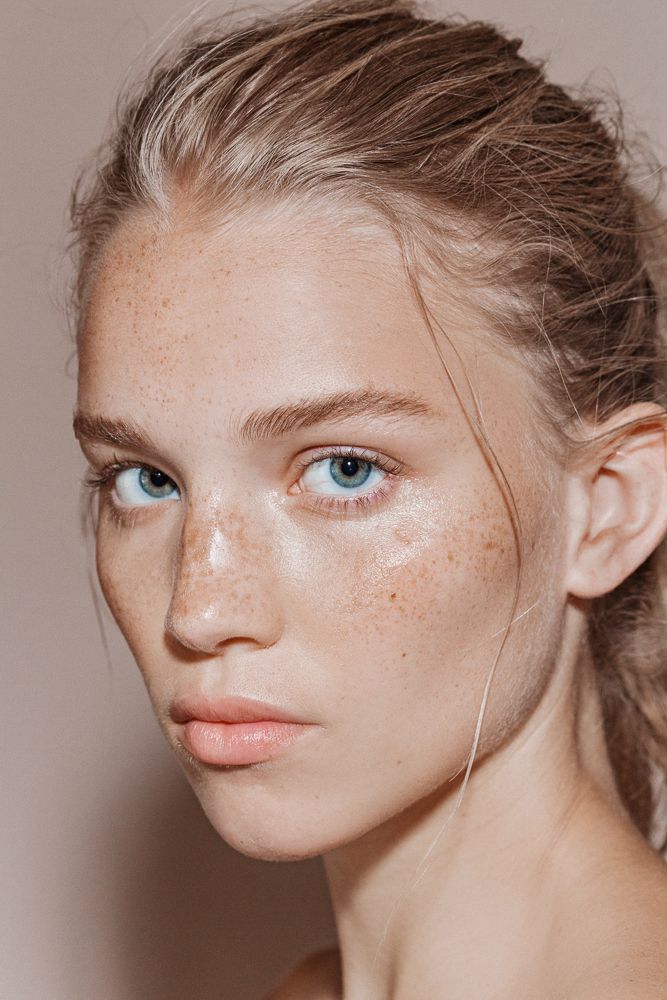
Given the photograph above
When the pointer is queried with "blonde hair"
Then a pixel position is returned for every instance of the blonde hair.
(479, 166)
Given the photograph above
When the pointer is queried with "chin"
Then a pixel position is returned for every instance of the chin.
(266, 838)
(274, 850)
(267, 826)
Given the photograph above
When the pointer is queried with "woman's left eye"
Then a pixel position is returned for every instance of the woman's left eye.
(141, 485)
(342, 475)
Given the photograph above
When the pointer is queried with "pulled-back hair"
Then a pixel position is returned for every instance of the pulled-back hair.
(482, 169)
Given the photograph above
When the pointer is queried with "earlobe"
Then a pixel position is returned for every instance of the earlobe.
(618, 502)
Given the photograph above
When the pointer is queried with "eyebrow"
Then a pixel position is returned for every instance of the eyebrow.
(281, 420)
(124, 433)
(276, 422)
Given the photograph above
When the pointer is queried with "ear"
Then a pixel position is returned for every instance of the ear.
(617, 501)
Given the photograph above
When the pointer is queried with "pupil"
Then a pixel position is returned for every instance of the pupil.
(157, 479)
(349, 466)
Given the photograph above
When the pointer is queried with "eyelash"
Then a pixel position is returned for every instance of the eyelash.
(347, 505)
(100, 483)
(97, 482)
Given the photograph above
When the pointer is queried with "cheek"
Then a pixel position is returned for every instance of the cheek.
(407, 628)
(420, 581)
(134, 575)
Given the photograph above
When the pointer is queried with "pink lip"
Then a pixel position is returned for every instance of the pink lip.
(234, 730)
(231, 709)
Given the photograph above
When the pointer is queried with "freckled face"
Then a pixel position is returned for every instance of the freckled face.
(358, 571)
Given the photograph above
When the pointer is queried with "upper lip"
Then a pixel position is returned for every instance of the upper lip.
(229, 709)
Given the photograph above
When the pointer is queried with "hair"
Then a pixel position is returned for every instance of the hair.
(480, 168)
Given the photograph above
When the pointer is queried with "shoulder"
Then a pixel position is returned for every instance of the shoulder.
(317, 977)
(634, 969)
(647, 983)
(613, 938)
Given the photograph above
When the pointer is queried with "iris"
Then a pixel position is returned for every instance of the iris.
(155, 483)
(349, 471)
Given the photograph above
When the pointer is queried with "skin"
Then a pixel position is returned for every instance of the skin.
(377, 624)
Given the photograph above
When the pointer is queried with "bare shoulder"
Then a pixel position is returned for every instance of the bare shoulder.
(618, 926)
(633, 969)
(317, 977)
(646, 981)
(635, 966)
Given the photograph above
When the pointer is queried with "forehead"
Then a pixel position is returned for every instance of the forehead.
(267, 307)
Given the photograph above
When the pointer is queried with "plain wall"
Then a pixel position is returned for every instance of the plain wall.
(113, 885)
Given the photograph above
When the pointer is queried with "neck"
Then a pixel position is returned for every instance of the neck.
(458, 903)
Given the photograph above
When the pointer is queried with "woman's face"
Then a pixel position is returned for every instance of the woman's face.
(324, 532)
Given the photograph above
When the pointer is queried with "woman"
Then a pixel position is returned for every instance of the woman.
(372, 389)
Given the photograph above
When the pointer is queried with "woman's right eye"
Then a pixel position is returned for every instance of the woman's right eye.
(142, 485)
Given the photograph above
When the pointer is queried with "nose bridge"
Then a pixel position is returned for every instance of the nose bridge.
(221, 586)
(204, 546)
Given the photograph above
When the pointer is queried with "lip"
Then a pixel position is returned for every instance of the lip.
(229, 709)
(235, 730)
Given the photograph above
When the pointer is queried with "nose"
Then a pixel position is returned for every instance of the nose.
(223, 589)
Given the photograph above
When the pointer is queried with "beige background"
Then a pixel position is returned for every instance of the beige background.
(113, 886)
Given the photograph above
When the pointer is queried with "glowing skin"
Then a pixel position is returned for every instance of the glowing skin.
(353, 620)
(242, 567)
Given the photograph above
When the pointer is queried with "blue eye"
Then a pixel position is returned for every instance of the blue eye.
(341, 474)
(143, 485)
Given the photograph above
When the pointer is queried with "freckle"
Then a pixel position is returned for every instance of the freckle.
(450, 556)
(404, 654)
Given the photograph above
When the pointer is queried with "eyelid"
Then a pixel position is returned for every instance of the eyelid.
(132, 487)
(322, 503)
(382, 461)
(104, 480)
(337, 504)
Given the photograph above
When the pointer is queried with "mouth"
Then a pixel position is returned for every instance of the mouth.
(235, 730)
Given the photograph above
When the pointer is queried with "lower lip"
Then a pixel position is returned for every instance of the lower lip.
(224, 743)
